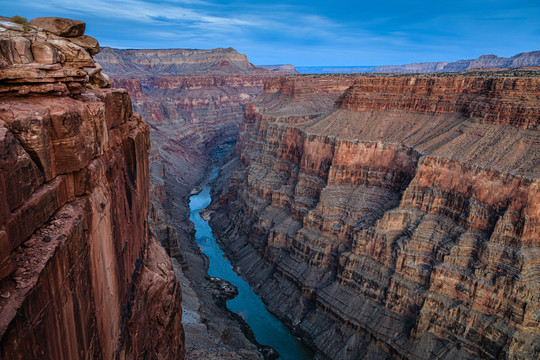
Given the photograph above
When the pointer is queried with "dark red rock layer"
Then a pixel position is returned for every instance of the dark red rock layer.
(403, 223)
(80, 277)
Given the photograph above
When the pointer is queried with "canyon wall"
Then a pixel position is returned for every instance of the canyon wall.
(531, 58)
(175, 61)
(193, 101)
(80, 277)
(404, 222)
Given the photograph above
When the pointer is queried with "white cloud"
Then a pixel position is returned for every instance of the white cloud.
(144, 12)
(202, 15)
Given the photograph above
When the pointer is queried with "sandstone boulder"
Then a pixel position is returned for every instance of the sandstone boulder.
(87, 42)
(60, 26)
(15, 50)
(74, 55)
(22, 48)
(100, 80)
(44, 52)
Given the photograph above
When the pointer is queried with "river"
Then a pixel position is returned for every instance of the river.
(268, 329)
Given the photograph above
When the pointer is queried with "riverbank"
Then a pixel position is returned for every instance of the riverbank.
(211, 332)
(268, 330)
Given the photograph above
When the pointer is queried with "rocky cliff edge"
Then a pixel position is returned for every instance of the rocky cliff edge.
(80, 277)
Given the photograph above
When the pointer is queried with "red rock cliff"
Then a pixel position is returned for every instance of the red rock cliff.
(80, 275)
(403, 223)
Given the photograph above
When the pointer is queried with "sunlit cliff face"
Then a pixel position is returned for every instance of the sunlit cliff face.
(406, 216)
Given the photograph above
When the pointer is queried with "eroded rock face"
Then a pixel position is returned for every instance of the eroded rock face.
(402, 223)
(80, 277)
(193, 105)
(163, 62)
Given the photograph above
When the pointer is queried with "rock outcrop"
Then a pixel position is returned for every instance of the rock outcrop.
(80, 276)
(485, 61)
(402, 223)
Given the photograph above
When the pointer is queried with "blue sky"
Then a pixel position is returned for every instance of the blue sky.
(308, 32)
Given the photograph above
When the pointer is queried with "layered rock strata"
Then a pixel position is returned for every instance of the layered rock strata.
(159, 62)
(80, 277)
(402, 223)
(193, 101)
(285, 68)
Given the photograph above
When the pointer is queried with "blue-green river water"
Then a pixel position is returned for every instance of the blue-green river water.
(268, 329)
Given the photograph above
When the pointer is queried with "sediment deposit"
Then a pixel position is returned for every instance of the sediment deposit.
(80, 276)
(402, 222)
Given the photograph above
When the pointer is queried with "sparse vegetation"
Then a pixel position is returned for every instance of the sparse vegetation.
(21, 20)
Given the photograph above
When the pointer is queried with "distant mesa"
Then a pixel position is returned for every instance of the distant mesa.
(165, 62)
(485, 61)
(59, 26)
(491, 62)
(333, 69)
(286, 68)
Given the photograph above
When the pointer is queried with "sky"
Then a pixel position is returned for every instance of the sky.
(308, 33)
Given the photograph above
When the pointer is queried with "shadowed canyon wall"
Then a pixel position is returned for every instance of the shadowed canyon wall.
(403, 222)
(193, 101)
(80, 277)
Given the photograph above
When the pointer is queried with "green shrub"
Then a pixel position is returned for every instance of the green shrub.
(21, 20)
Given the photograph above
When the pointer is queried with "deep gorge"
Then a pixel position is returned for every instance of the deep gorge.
(378, 216)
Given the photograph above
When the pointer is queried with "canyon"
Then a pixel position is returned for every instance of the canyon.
(378, 216)
(193, 101)
(81, 276)
(400, 220)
